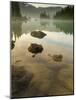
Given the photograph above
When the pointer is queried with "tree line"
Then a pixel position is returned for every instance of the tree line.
(65, 13)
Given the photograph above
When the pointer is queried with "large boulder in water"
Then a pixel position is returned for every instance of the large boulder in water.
(35, 48)
(38, 34)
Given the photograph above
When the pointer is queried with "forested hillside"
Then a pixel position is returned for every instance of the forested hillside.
(65, 13)
(15, 9)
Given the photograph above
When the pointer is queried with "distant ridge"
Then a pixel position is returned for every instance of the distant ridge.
(32, 11)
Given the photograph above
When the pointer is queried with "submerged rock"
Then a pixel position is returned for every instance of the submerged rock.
(38, 34)
(20, 79)
(35, 48)
(57, 58)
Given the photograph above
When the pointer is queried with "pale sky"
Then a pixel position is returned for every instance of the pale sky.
(46, 5)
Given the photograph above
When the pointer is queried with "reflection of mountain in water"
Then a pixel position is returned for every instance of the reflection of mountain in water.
(35, 48)
(38, 24)
(38, 34)
(65, 26)
(44, 22)
(16, 32)
(20, 27)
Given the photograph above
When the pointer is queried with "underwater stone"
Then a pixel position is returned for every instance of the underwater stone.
(57, 57)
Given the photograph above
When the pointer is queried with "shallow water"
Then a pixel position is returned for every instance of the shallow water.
(50, 77)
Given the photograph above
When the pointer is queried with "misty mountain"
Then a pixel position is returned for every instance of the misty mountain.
(31, 11)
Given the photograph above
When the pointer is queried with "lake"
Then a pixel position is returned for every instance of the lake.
(50, 77)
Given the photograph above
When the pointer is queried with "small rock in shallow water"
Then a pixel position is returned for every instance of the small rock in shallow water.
(18, 61)
(57, 58)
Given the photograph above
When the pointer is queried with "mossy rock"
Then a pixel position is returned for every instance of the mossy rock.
(38, 34)
(35, 48)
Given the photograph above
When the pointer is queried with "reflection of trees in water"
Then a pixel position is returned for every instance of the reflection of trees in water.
(66, 27)
(16, 32)
(38, 24)
(44, 22)
(17, 29)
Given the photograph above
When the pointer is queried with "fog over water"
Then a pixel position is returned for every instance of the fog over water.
(44, 48)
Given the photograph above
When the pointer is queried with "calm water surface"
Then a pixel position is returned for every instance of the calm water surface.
(50, 77)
